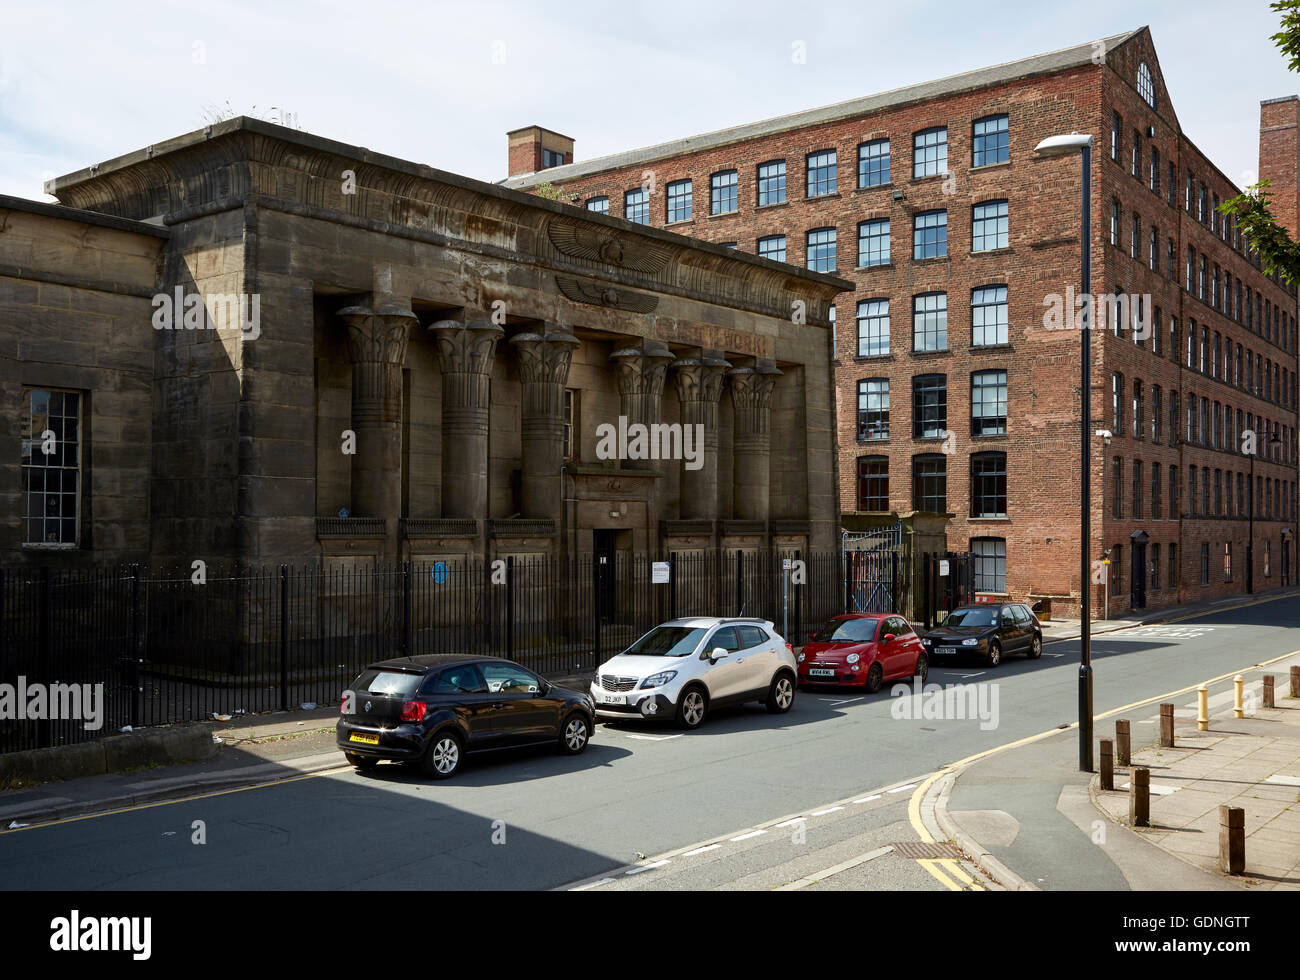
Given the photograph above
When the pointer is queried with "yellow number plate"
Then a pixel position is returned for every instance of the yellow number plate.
(367, 739)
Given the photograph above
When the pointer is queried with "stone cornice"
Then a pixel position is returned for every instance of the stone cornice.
(249, 160)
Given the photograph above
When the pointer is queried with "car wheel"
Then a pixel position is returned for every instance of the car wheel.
(922, 667)
(875, 677)
(995, 654)
(442, 758)
(692, 708)
(361, 761)
(576, 733)
(780, 696)
(1035, 647)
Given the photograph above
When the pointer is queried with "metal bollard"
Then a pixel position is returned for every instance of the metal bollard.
(1122, 742)
(1268, 691)
(1203, 708)
(1295, 682)
(1167, 726)
(1238, 689)
(1107, 765)
(1232, 839)
(1139, 797)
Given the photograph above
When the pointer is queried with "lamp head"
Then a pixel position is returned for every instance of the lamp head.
(1064, 145)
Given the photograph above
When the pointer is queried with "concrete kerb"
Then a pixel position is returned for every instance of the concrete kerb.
(934, 805)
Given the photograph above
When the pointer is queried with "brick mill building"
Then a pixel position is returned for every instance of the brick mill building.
(955, 394)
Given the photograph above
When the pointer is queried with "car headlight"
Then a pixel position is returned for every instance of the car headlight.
(801, 658)
(971, 642)
(659, 679)
(925, 641)
(853, 658)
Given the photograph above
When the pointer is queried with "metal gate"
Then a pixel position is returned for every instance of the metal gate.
(870, 560)
(948, 582)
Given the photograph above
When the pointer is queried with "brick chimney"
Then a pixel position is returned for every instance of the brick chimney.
(533, 148)
(1279, 159)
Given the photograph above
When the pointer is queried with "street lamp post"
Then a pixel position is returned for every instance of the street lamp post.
(1250, 540)
(1057, 146)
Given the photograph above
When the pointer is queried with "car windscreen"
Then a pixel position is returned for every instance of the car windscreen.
(847, 631)
(668, 641)
(972, 617)
(388, 683)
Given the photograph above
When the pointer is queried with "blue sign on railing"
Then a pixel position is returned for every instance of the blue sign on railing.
(440, 572)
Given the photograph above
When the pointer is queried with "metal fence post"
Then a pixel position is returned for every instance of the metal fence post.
(740, 582)
(136, 656)
(893, 581)
(595, 601)
(510, 607)
(284, 637)
(43, 731)
(672, 585)
(798, 601)
(406, 608)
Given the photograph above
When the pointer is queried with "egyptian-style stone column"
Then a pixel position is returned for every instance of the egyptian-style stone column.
(544, 369)
(641, 372)
(699, 386)
(465, 353)
(377, 341)
(751, 397)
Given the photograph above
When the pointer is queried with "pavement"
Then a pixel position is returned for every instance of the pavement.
(1030, 819)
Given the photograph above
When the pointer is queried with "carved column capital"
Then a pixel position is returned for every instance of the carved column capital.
(751, 395)
(377, 336)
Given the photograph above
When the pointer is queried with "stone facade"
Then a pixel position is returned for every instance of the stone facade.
(421, 366)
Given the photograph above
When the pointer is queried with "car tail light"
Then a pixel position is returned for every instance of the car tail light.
(789, 646)
(413, 711)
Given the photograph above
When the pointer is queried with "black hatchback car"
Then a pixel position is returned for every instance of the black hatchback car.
(988, 630)
(433, 710)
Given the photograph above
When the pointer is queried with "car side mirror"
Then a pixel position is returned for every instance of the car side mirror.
(888, 637)
(717, 653)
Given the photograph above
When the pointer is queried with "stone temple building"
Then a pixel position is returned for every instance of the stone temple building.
(252, 343)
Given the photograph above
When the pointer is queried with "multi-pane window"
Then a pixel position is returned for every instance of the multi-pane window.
(1205, 563)
(988, 484)
(552, 158)
(1138, 487)
(988, 403)
(1174, 577)
(771, 182)
(873, 483)
(873, 327)
(821, 250)
(1146, 87)
(821, 173)
(1139, 422)
(1156, 487)
(50, 429)
(930, 152)
(988, 314)
(1155, 170)
(1135, 237)
(723, 192)
(679, 201)
(990, 559)
(930, 483)
(992, 141)
(636, 206)
(1117, 403)
(598, 204)
(873, 242)
(1114, 221)
(930, 235)
(1117, 487)
(873, 409)
(929, 406)
(1157, 412)
(1135, 166)
(1116, 136)
(873, 163)
(930, 322)
(989, 226)
(772, 247)
(1155, 567)
(1175, 503)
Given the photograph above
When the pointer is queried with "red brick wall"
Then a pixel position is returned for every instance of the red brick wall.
(1279, 159)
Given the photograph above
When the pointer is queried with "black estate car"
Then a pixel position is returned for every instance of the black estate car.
(987, 629)
(432, 710)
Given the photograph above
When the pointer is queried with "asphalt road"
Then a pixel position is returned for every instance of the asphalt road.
(641, 793)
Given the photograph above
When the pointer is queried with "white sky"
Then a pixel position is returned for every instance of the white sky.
(82, 82)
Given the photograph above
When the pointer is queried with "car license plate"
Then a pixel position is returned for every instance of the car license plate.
(364, 739)
(613, 699)
(945, 650)
(821, 672)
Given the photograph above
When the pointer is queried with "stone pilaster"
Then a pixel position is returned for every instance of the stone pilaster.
(377, 338)
(465, 355)
(641, 372)
(543, 370)
(751, 398)
(699, 383)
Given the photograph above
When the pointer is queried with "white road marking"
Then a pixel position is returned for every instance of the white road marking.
(846, 701)
(1284, 780)
(644, 867)
(752, 833)
(868, 799)
(791, 823)
(652, 738)
(701, 850)
(978, 673)
(836, 869)
(829, 809)
(1056, 655)
(592, 884)
(901, 789)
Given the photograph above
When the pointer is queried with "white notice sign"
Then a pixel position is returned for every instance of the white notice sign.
(943, 568)
(659, 573)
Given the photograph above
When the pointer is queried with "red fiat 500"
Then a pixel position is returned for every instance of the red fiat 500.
(863, 649)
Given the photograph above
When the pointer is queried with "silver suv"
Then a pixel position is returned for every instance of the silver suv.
(685, 667)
